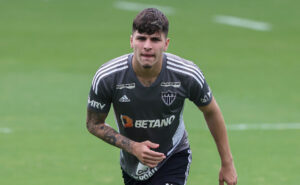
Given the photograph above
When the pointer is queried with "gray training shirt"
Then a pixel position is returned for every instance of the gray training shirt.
(149, 113)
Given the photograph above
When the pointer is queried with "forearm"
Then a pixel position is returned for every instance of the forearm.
(216, 125)
(95, 123)
(111, 136)
(141, 150)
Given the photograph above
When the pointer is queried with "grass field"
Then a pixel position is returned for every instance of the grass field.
(50, 50)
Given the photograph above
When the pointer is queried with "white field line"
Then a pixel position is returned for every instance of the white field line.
(5, 130)
(264, 126)
(240, 22)
(131, 6)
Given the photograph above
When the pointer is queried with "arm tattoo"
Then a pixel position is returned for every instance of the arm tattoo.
(126, 144)
(96, 125)
(109, 134)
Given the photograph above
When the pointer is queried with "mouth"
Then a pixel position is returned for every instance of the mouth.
(147, 55)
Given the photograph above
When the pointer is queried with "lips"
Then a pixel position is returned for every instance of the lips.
(147, 55)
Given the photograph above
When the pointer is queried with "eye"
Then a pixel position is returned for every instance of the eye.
(141, 38)
(155, 39)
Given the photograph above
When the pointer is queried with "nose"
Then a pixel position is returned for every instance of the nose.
(148, 45)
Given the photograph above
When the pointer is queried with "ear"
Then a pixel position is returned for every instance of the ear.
(166, 44)
(131, 41)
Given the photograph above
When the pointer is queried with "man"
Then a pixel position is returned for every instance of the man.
(147, 89)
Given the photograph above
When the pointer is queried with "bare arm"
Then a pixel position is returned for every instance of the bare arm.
(216, 125)
(97, 126)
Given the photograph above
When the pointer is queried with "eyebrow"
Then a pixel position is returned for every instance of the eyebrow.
(155, 38)
(151, 38)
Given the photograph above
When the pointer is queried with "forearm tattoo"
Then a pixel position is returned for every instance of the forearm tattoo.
(96, 125)
(109, 134)
(126, 143)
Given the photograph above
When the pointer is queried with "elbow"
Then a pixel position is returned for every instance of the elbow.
(90, 127)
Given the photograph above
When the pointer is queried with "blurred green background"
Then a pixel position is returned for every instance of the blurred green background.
(50, 50)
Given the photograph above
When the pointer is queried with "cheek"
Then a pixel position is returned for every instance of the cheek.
(136, 46)
(136, 50)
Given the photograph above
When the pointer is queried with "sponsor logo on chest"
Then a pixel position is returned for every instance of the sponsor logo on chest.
(127, 122)
(126, 86)
(170, 84)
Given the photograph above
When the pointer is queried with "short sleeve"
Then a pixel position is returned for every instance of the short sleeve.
(100, 96)
(200, 92)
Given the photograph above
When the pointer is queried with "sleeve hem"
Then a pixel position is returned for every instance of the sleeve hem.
(200, 104)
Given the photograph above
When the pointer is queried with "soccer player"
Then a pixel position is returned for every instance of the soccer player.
(147, 89)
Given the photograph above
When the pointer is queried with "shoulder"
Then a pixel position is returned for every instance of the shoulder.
(184, 68)
(176, 61)
(115, 62)
(113, 66)
(175, 58)
(110, 69)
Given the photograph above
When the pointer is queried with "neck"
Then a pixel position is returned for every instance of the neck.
(146, 75)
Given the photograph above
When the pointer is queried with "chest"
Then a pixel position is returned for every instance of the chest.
(163, 97)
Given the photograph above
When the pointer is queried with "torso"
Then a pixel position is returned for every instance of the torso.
(149, 109)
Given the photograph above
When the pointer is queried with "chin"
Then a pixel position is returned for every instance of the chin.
(147, 66)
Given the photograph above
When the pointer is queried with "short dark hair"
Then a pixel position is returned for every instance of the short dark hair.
(150, 21)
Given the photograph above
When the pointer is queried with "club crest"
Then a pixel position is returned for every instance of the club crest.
(168, 97)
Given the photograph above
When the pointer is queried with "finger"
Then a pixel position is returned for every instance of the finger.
(155, 154)
(149, 163)
(149, 157)
(151, 145)
(230, 182)
(153, 159)
(221, 182)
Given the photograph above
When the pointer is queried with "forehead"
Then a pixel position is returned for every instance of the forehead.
(156, 34)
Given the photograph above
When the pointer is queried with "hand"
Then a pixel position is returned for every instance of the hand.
(228, 174)
(147, 156)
